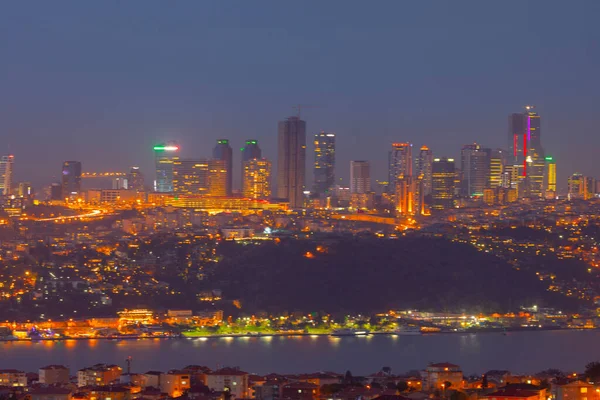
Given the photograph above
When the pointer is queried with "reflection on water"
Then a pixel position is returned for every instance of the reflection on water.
(363, 355)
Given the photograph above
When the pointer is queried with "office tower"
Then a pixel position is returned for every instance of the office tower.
(589, 187)
(475, 166)
(497, 161)
(550, 176)
(576, 186)
(56, 192)
(119, 183)
(291, 161)
(257, 178)
(6, 174)
(424, 164)
(217, 178)
(135, 179)
(324, 168)
(190, 177)
(250, 151)
(400, 162)
(442, 188)
(71, 178)
(223, 151)
(165, 155)
(360, 177)
(525, 150)
(24, 189)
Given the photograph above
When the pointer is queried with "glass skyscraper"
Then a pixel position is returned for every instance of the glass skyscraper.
(223, 152)
(165, 155)
(291, 162)
(6, 173)
(324, 167)
(71, 178)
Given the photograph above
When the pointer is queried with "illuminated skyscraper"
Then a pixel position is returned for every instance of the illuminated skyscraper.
(257, 178)
(400, 162)
(324, 168)
(475, 168)
(497, 161)
(525, 150)
(71, 178)
(6, 174)
(190, 176)
(424, 164)
(442, 189)
(223, 151)
(250, 151)
(291, 161)
(135, 179)
(217, 178)
(165, 155)
(550, 176)
(360, 177)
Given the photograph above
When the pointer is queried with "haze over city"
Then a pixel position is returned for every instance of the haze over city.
(104, 82)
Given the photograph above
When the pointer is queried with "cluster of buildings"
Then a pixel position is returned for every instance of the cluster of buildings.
(418, 183)
(437, 381)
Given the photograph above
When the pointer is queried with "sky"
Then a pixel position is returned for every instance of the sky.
(102, 82)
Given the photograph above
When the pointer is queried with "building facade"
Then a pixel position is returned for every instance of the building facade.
(324, 166)
(360, 177)
(190, 176)
(475, 169)
(435, 377)
(165, 155)
(53, 374)
(6, 174)
(217, 178)
(257, 179)
(424, 169)
(442, 189)
(250, 151)
(71, 178)
(223, 152)
(291, 162)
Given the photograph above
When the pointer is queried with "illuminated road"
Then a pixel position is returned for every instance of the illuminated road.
(93, 213)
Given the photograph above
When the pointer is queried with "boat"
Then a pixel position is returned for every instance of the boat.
(408, 330)
(350, 332)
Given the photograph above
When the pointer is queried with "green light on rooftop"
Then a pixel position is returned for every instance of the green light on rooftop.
(549, 158)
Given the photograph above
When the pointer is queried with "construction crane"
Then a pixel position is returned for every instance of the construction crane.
(300, 107)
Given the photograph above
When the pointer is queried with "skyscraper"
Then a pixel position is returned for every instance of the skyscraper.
(190, 176)
(135, 179)
(250, 151)
(291, 161)
(400, 162)
(442, 190)
(550, 176)
(324, 168)
(6, 174)
(217, 178)
(497, 161)
(257, 178)
(424, 164)
(475, 168)
(223, 151)
(71, 178)
(360, 177)
(165, 155)
(525, 149)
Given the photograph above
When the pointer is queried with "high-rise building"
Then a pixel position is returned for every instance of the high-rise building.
(25, 189)
(135, 179)
(217, 178)
(324, 168)
(71, 178)
(360, 177)
(257, 178)
(525, 149)
(291, 162)
(497, 161)
(165, 155)
(250, 151)
(424, 164)
(442, 189)
(475, 167)
(190, 176)
(400, 162)
(6, 174)
(550, 176)
(223, 151)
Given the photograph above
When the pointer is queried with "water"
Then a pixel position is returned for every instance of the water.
(519, 352)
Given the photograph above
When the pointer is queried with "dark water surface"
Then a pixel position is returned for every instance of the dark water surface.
(475, 353)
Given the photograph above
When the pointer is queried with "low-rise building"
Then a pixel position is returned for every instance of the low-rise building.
(510, 393)
(98, 375)
(51, 393)
(12, 377)
(54, 374)
(576, 390)
(110, 392)
(231, 379)
(435, 377)
(175, 383)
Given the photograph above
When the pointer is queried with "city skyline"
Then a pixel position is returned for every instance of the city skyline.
(455, 89)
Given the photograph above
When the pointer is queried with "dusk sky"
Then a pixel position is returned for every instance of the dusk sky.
(101, 82)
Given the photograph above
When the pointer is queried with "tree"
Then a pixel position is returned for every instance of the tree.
(458, 395)
(484, 382)
(387, 370)
(592, 371)
(348, 378)
(447, 385)
(402, 386)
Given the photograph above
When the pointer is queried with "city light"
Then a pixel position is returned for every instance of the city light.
(166, 148)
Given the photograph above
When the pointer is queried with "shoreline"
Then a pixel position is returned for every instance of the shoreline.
(296, 334)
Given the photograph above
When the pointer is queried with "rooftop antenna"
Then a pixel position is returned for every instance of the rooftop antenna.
(299, 108)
